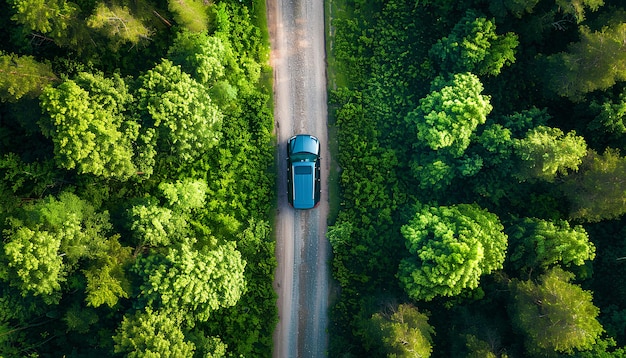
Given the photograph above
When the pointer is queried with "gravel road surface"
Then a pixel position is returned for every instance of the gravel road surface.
(302, 277)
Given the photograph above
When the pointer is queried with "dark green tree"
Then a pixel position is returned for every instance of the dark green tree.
(451, 247)
(403, 332)
(473, 46)
(597, 191)
(536, 243)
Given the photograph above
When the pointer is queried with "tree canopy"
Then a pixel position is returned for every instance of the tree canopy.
(555, 315)
(452, 247)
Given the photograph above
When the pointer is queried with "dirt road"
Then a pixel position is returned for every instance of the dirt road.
(302, 276)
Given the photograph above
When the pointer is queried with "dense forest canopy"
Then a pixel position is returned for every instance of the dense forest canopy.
(136, 168)
(482, 147)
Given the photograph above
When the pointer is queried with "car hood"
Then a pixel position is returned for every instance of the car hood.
(304, 185)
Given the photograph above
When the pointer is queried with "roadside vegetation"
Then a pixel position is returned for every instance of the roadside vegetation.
(136, 179)
(482, 149)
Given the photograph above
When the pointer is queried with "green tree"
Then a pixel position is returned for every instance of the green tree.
(546, 152)
(403, 332)
(195, 281)
(106, 277)
(596, 62)
(203, 56)
(555, 315)
(185, 195)
(119, 25)
(191, 14)
(610, 118)
(33, 261)
(152, 334)
(536, 243)
(46, 240)
(597, 190)
(23, 76)
(576, 8)
(49, 17)
(86, 121)
(452, 246)
(153, 225)
(447, 117)
(516, 7)
(187, 122)
(474, 46)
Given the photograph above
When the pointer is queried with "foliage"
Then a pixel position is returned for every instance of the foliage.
(193, 281)
(119, 25)
(596, 62)
(403, 332)
(191, 14)
(545, 152)
(596, 191)
(555, 315)
(85, 120)
(452, 247)
(152, 334)
(52, 18)
(187, 123)
(23, 76)
(46, 241)
(138, 160)
(449, 114)
(473, 46)
(531, 160)
(537, 243)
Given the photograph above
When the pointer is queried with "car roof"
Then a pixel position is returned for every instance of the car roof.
(304, 143)
(304, 185)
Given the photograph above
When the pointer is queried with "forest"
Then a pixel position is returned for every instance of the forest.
(483, 166)
(136, 179)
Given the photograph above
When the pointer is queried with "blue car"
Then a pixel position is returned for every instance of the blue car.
(303, 180)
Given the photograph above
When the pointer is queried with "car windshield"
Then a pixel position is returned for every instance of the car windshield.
(303, 157)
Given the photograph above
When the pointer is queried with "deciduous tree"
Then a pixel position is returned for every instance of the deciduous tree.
(86, 119)
(195, 281)
(451, 247)
(46, 240)
(186, 121)
(50, 17)
(119, 25)
(151, 333)
(449, 114)
(191, 14)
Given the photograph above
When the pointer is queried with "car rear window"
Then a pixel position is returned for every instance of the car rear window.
(303, 170)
